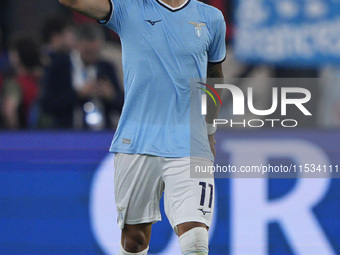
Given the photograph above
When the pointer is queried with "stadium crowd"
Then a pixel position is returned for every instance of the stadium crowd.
(58, 78)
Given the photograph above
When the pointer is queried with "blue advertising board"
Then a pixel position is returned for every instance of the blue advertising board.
(288, 32)
(56, 196)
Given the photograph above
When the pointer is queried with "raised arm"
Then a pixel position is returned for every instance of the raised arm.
(95, 9)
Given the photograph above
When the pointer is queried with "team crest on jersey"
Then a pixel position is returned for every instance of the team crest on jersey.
(198, 27)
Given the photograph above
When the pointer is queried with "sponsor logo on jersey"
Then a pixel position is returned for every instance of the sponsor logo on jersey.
(153, 22)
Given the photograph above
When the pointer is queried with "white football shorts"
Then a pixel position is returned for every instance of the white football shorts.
(141, 179)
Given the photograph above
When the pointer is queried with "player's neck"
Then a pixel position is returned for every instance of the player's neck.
(174, 3)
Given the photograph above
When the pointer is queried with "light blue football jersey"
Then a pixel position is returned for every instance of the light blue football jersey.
(163, 49)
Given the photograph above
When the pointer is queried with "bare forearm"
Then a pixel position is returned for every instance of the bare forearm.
(68, 3)
(214, 71)
(96, 9)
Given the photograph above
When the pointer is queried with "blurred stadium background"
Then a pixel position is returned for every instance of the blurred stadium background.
(61, 93)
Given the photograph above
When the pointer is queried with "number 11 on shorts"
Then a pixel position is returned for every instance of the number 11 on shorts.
(204, 187)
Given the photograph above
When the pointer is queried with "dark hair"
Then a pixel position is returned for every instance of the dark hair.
(52, 26)
(89, 32)
(28, 50)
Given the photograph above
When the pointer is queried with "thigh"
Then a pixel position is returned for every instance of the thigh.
(138, 188)
(187, 199)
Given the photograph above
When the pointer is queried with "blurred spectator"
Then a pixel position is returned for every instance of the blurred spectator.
(21, 86)
(58, 36)
(79, 89)
(3, 61)
(3, 56)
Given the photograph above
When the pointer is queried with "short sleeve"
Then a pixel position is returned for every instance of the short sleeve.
(118, 12)
(217, 49)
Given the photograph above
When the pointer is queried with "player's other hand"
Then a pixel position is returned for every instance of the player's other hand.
(212, 143)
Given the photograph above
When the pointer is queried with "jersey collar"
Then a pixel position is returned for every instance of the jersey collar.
(185, 4)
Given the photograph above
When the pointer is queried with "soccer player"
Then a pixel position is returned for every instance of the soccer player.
(165, 43)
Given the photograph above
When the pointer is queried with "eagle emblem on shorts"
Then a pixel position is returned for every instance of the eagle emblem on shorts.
(198, 27)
